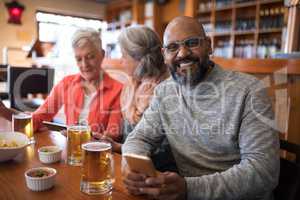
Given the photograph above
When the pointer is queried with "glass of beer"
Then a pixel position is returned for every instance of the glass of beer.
(76, 136)
(22, 122)
(97, 171)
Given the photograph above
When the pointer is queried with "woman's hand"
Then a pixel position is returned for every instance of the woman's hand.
(116, 147)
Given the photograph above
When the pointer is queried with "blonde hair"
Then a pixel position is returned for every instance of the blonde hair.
(143, 44)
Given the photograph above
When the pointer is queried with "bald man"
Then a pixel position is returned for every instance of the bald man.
(218, 124)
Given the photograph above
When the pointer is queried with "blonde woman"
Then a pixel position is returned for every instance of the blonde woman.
(142, 57)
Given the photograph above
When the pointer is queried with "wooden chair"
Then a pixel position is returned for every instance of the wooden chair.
(289, 180)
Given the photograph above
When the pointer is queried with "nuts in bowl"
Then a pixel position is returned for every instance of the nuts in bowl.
(49, 154)
(12, 144)
(40, 178)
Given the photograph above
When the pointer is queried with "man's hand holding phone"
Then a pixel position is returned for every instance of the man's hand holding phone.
(167, 185)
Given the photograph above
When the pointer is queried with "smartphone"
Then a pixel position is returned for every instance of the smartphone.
(55, 126)
(140, 164)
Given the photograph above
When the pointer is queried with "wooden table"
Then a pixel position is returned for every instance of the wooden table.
(12, 180)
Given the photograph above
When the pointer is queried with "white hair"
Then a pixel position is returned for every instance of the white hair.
(83, 36)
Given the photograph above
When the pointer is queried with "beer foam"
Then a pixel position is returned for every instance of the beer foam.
(96, 146)
(78, 128)
(22, 116)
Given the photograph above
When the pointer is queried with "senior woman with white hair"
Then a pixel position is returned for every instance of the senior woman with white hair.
(90, 97)
(142, 57)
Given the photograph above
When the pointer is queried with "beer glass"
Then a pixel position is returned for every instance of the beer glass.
(22, 122)
(97, 171)
(76, 136)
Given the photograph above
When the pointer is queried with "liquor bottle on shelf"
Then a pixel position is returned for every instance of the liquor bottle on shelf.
(261, 23)
(248, 49)
(205, 6)
(245, 24)
(223, 49)
(244, 49)
(268, 47)
(223, 26)
(223, 3)
(271, 18)
(261, 49)
(237, 50)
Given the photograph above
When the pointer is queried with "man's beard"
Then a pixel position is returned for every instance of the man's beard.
(192, 78)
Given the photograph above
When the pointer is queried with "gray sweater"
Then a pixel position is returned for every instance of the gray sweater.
(220, 133)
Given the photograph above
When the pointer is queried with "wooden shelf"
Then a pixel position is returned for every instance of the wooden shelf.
(273, 30)
(270, 1)
(204, 12)
(228, 13)
(248, 32)
(233, 13)
(220, 34)
(247, 4)
(225, 8)
(237, 5)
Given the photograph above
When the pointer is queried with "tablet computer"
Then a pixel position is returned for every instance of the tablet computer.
(53, 126)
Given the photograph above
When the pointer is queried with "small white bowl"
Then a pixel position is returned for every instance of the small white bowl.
(49, 154)
(37, 180)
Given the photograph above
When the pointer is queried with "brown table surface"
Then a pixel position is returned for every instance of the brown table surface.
(12, 180)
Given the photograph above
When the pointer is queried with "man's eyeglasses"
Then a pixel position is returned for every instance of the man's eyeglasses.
(190, 43)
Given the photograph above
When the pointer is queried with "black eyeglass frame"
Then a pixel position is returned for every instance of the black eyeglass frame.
(184, 43)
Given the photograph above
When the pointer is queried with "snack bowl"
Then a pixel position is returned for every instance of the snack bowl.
(49, 154)
(12, 144)
(40, 178)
